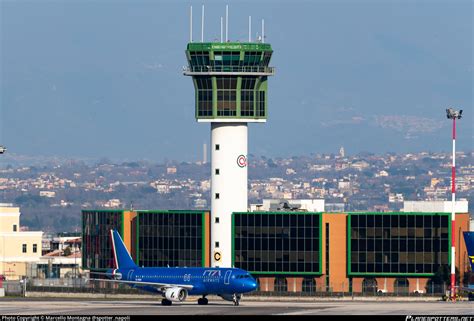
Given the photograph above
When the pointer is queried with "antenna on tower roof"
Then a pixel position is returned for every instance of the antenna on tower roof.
(202, 24)
(263, 31)
(222, 29)
(191, 24)
(226, 23)
(250, 28)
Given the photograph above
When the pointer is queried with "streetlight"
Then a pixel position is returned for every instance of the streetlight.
(453, 114)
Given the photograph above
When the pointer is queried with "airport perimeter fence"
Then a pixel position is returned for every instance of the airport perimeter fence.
(79, 285)
(12, 288)
(432, 290)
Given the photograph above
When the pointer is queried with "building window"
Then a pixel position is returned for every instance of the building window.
(277, 242)
(226, 96)
(35, 248)
(217, 220)
(399, 243)
(204, 91)
(369, 285)
(280, 284)
(217, 147)
(261, 104)
(14, 228)
(217, 171)
(217, 244)
(217, 196)
(199, 58)
(97, 245)
(401, 286)
(309, 285)
(247, 96)
(24, 248)
(173, 239)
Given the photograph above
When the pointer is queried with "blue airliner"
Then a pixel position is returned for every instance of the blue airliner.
(176, 283)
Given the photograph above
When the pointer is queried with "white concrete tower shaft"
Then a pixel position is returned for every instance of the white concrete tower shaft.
(228, 186)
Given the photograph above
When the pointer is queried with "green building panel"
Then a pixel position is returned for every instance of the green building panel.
(171, 238)
(397, 243)
(285, 243)
(230, 79)
(96, 243)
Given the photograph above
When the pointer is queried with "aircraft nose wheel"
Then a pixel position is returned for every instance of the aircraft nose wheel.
(236, 299)
(203, 301)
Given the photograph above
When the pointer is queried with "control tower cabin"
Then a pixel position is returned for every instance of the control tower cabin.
(230, 81)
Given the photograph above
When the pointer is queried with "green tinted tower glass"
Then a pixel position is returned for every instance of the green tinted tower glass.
(230, 80)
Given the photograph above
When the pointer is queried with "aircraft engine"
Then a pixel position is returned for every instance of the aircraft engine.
(176, 294)
(116, 275)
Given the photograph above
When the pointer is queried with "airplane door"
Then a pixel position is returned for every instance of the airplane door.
(130, 273)
(227, 277)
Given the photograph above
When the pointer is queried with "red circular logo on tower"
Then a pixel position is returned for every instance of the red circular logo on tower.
(242, 161)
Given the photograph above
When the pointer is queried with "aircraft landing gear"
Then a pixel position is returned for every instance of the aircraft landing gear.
(166, 302)
(203, 301)
(236, 299)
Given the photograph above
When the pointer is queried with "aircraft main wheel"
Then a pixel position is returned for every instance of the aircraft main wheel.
(203, 301)
(166, 302)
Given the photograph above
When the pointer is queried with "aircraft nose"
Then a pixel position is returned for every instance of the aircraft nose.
(250, 286)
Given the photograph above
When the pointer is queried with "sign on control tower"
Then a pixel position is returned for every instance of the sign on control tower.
(230, 81)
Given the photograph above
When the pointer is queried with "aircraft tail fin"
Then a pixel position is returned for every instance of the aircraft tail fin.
(469, 240)
(122, 258)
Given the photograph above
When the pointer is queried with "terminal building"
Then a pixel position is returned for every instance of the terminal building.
(294, 251)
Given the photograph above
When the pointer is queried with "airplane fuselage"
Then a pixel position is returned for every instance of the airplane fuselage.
(204, 281)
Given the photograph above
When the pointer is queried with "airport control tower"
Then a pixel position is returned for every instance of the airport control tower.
(230, 81)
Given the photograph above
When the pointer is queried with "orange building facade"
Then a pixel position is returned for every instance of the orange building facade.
(359, 252)
(336, 252)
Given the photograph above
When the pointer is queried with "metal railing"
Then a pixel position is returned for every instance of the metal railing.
(230, 69)
(431, 290)
(79, 285)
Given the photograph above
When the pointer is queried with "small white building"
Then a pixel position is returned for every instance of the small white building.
(462, 206)
(307, 205)
(48, 194)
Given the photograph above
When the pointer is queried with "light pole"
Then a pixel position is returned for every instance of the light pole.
(453, 114)
(3, 149)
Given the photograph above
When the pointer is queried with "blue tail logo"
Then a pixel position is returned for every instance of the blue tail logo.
(469, 240)
(123, 260)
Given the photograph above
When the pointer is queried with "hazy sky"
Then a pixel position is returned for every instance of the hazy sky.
(104, 78)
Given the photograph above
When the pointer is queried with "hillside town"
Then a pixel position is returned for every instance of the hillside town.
(52, 194)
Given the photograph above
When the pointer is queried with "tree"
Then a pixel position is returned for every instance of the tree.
(468, 275)
(443, 276)
(67, 251)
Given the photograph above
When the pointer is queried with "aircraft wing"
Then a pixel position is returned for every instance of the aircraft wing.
(160, 286)
(466, 289)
